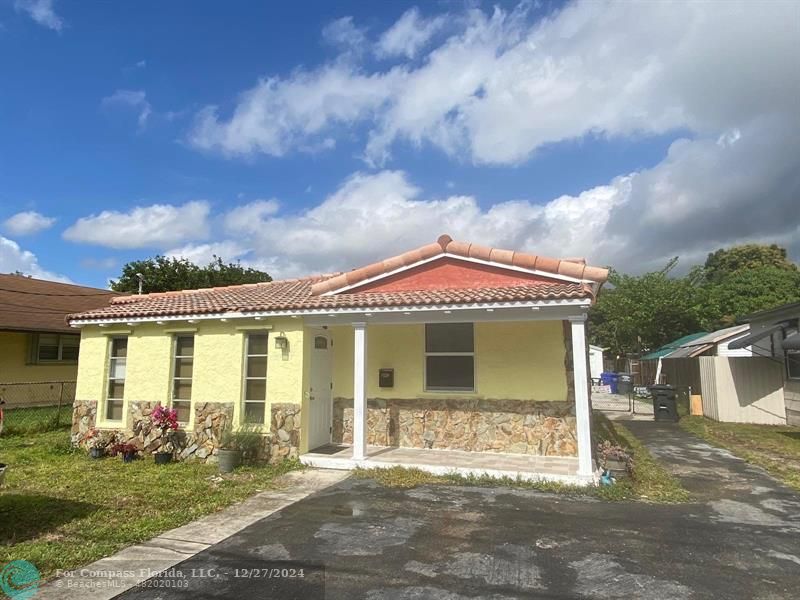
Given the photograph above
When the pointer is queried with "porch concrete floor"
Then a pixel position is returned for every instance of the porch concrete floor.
(441, 462)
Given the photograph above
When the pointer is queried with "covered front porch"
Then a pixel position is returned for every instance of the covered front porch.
(520, 411)
(523, 467)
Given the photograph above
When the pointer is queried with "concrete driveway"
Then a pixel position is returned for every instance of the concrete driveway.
(740, 540)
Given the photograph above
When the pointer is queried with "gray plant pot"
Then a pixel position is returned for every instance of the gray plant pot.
(618, 468)
(229, 460)
(3, 468)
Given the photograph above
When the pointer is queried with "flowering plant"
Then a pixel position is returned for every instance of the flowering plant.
(165, 419)
(608, 452)
(94, 438)
(124, 448)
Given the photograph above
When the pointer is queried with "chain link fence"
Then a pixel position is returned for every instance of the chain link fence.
(34, 407)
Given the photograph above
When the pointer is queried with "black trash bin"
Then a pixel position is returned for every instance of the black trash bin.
(665, 403)
(625, 383)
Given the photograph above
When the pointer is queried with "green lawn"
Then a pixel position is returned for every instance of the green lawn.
(37, 419)
(651, 482)
(773, 447)
(59, 509)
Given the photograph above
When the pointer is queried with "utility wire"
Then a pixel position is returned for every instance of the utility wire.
(108, 293)
(4, 304)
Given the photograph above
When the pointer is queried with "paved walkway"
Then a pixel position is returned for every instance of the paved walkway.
(711, 473)
(741, 539)
(108, 577)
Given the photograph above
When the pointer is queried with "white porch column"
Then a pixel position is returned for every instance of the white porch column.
(582, 412)
(359, 391)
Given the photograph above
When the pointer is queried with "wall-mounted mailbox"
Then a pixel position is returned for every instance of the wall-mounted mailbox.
(386, 378)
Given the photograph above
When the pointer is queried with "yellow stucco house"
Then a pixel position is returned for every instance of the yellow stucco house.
(38, 350)
(452, 356)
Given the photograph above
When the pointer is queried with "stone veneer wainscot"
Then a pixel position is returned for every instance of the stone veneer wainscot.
(202, 443)
(512, 426)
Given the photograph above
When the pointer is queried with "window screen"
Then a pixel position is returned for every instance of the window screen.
(118, 357)
(255, 381)
(449, 357)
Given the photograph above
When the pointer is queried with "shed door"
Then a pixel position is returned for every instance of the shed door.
(320, 394)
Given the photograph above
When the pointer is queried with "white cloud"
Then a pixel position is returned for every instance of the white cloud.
(702, 197)
(202, 254)
(408, 35)
(155, 226)
(13, 259)
(42, 12)
(277, 116)
(27, 223)
(343, 34)
(249, 218)
(135, 99)
(500, 88)
(512, 86)
(372, 216)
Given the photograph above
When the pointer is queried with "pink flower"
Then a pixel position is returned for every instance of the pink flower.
(164, 418)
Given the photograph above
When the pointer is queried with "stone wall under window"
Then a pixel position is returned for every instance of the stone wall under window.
(202, 442)
(512, 426)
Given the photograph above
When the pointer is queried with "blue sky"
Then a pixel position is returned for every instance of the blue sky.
(309, 137)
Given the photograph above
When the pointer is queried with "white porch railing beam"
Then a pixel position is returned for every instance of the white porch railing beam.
(359, 391)
(581, 383)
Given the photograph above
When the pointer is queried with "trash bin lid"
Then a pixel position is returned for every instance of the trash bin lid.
(662, 386)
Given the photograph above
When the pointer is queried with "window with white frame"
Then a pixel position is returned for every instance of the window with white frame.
(449, 357)
(182, 369)
(255, 380)
(118, 357)
(793, 364)
(54, 347)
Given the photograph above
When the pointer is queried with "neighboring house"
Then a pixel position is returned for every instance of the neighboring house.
(716, 343)
(775, 334)
(735, 380)
(651, 364)
(449, 347)
(595, 361)
(36, 344)
(670, 347)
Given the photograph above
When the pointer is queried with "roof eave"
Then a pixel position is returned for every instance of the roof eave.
(89, 319)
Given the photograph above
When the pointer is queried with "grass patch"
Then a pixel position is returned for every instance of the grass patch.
(36, 419)
(651, 482)
(776, 448)
(60, 509)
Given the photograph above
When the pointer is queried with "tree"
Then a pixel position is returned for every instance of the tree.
(163, 274)
(729, 261)
(642, 313)
(745, 291)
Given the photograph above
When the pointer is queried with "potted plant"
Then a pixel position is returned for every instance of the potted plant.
(97, 442)
(236, 445)
(615, 459)
(165, 419)
(127, 450)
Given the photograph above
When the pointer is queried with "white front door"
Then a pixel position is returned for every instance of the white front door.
(320, 394)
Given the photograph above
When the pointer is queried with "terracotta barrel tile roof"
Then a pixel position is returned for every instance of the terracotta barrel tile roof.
(309, 293)
(575, 267)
